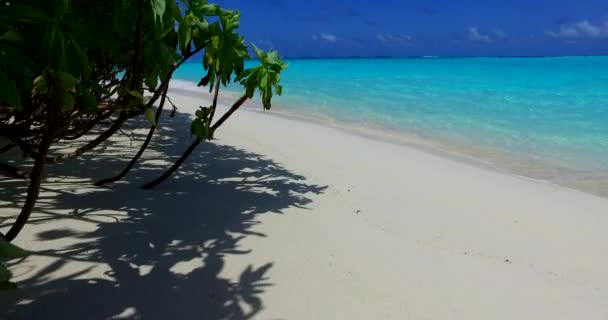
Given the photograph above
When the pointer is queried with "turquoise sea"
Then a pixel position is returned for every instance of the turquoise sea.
(546, 118)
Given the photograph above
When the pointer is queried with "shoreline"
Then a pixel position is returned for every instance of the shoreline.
(506, 162)
(296, 220)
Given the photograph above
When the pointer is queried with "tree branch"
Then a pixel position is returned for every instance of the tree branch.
(217, 91)
(94, 143)
(228, 113)
(152, 130)
(167, 78)
(193, 146)
(84, 129)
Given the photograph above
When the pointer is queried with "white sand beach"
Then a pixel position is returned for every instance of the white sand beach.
(287, 219)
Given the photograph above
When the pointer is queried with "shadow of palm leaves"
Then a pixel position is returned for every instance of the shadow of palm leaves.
(163, 250)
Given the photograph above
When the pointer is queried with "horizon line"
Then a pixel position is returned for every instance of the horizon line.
(425, 57)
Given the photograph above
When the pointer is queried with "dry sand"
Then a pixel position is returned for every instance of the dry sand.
(287, 219)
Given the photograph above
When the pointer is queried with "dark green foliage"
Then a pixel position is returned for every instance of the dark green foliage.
(65, 65)
(8, 251)
(201, 125)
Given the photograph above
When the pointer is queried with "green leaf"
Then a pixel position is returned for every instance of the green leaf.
(124, 24)
(170, 39)
(263, 80)
(59, 46)
(60, 8)
(65, 80)
(10, 251)
(89, 102)
(198, 129)
(54, 48)
(264, 77)
(157, 54)
(150, 116)
(65, 100)
(245, 74)
(203, 112)
(41, 85)
(5, 274)
(158, 7)
(215, 42)
(152, 80)
(22, 13)
(77, 56)
(174, 11)
(184, 35)
(136, 94)
(199, 37)
(259, 53)
(8, 91)
(12, 36)
(204, 80)
(202, 25)
(210, 9)
(272, 58)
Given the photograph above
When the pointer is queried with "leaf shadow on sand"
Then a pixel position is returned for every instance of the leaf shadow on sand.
(142, 238)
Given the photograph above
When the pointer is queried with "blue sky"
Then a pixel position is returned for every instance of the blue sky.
(435, 27)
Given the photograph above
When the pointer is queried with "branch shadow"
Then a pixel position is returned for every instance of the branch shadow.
(156, 254)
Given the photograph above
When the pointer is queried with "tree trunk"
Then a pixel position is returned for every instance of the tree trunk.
(215, 94)
(33, 190)
(92, 144)
(143, 146)
(192, 146)
(158, 114)
(84, 129)
(173, 168)
(228, 113)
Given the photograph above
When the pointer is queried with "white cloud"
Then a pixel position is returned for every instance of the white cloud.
(475, 35)
(500, 34)
(325, 37)
(388, 38)
(581, 30)
(589, 29)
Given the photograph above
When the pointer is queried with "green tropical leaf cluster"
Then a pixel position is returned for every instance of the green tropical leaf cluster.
(66, 66)
(266, 77)
(100, 44)
(201, 125)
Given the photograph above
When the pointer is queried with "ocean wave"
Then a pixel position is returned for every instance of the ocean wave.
(184, 85)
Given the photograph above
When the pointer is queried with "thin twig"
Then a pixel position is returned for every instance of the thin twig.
(172, 105)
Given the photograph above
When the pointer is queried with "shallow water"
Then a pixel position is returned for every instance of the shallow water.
(545, 118)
